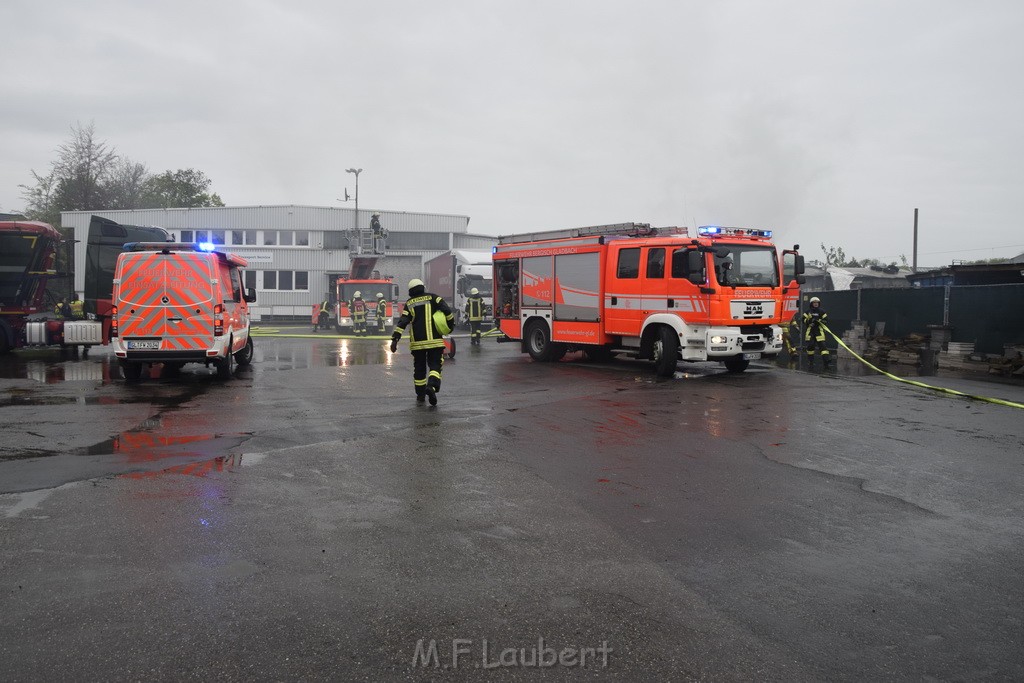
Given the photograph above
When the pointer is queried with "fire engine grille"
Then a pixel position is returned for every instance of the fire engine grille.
(753, 346)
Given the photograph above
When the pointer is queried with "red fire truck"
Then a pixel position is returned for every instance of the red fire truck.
(662, 294)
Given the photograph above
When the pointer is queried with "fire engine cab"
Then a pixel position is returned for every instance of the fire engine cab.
(662, 294)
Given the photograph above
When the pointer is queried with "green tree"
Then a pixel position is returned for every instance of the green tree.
(835, 256)
(181, 188)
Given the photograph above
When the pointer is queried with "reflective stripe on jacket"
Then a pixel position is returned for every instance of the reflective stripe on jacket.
(475, 308)
(419, 318)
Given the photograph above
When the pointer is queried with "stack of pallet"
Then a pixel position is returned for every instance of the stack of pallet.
(856, 338)
(957, 356)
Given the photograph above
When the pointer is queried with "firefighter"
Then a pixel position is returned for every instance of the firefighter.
(77, 310)
(426, 338)
(382, 313)
(475, 313)
(323, 317)
(814, 331)
(791, 333)
(358, 310)
(63, 309)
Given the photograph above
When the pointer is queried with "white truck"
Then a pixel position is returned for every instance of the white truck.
(455, 273)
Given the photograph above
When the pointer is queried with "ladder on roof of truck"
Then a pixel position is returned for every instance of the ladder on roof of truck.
(626, 229)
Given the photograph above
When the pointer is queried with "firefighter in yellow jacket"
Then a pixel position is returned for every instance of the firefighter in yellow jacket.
(382, 313)
(426, 338)
(814, 331)
(357, 307)
(475, 314)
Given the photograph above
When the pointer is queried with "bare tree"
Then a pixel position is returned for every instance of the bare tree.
(126, 187)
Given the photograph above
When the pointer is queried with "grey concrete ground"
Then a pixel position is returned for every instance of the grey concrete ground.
(307, 520)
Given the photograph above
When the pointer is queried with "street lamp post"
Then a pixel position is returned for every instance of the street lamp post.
(356, 172)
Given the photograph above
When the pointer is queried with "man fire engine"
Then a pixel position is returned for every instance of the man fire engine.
(656, 293)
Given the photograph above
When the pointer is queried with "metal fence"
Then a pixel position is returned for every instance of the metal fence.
(990, 316)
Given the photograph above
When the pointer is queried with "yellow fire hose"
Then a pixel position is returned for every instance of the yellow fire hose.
(944, 390)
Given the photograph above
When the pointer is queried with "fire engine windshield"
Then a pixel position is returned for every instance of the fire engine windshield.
(746, 266)
(19, 254)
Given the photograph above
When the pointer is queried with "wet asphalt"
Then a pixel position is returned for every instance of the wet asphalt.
(307, 520)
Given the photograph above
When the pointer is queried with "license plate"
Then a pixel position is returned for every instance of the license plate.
(145, 344)
(751, 356)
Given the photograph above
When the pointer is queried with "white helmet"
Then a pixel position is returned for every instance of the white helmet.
(474, 291)
(415, 282)
(379, 295)
(815, 300)
(359, 295)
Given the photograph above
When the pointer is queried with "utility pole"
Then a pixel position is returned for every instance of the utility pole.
(914, 267)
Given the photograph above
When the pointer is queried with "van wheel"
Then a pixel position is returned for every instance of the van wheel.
(665, 352)
(736, 364)
(244, 357)
(131, 371)
(539, 344)
(226, 365)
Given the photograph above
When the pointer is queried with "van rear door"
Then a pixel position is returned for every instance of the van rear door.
(165, 300)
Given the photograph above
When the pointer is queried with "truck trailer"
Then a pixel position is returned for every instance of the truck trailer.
(454, 274)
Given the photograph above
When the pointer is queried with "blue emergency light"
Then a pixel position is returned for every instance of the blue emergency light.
(206, 246)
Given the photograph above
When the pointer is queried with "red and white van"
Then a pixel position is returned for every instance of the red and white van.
(178, 303)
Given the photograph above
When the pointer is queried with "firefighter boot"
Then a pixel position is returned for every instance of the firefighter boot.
(826, 359)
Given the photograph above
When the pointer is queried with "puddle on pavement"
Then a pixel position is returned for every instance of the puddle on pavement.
(202, 468)
(322, 353)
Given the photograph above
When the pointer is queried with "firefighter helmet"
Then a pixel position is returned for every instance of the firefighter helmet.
(380, 295)
(415, 282)
(474, 291)
(359, 295)
(815, 300)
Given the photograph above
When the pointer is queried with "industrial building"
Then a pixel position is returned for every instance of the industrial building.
(295, 253)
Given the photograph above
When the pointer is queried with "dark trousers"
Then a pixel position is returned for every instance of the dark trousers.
(474, 330)
(817, 345)
(426, 369)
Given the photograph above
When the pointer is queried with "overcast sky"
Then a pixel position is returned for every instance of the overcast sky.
(827, 121)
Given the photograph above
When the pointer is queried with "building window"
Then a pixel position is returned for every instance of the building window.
(186, 236)
(270, 237)
(302, 238)
(217, 237)
(284, 280)
(418, 241)
(285, 238)
(250, 279)
(243, 237)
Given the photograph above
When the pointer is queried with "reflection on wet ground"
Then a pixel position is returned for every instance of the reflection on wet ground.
(52, 366)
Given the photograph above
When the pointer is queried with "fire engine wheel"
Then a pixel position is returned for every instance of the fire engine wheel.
(225, 366)
(736, 364)
(131, 371)
(665, 352)
(539, 344)
(244, 357)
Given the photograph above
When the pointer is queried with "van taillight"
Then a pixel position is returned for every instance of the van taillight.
(218, 320)
(113, 321)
